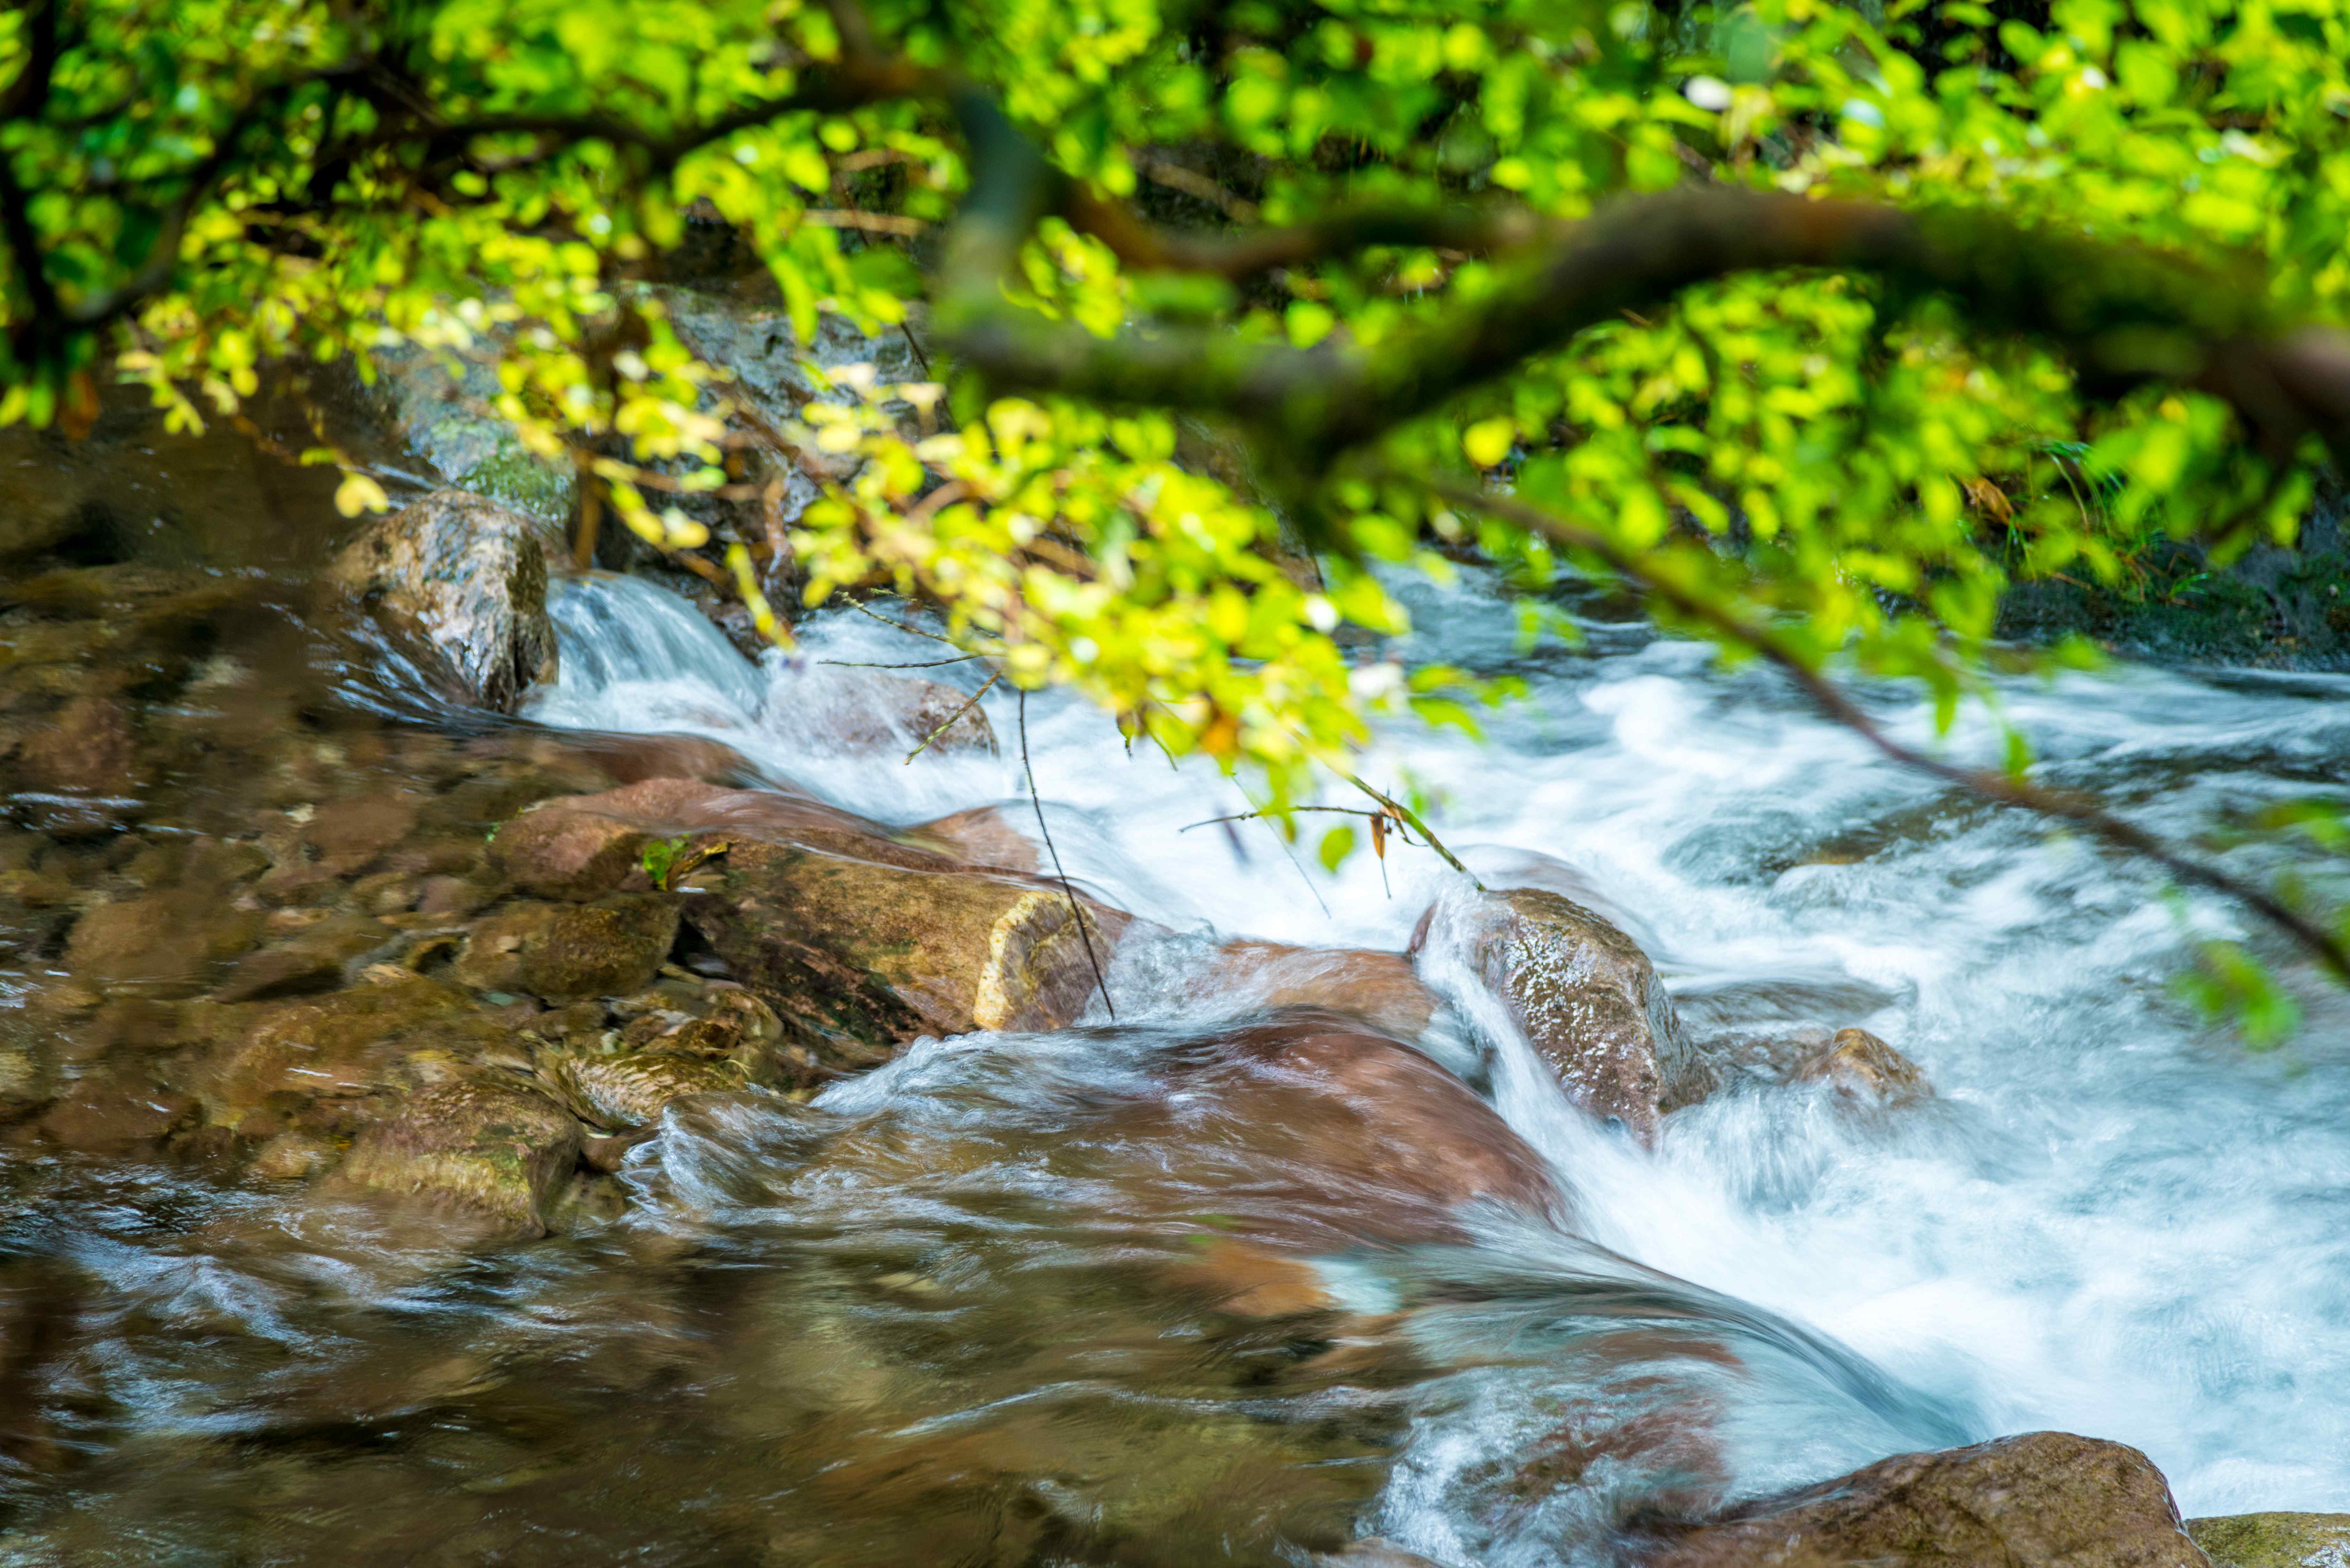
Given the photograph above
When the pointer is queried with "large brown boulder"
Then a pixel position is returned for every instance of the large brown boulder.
(2045, 1499)
(883, 951)
(2274, 1540)
(864, 938)
(1586, 997)
(461, 583)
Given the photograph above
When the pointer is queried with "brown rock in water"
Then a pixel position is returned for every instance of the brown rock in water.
(564, 953)
(982, 835)
(1381, 989)
(497, 1150)
(865, 938)
(349, 834)
(2274, 1540)
(1862, 1066)
(2046, 1500)
(845, 711)
(84, 767)
(115, 1113)
(629, 1088)
(462, 581)
(165, 942)
(1587, 999)
(863, 950)
(327, 1057)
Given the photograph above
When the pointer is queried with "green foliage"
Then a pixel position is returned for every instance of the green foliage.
(198, 189)
(659, 859)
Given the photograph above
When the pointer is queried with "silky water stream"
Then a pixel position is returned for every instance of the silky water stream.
(939, 1316)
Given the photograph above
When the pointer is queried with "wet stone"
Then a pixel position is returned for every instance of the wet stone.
(1862, 1066)
(349, 835)
(560, 851)
(497, 1152)
(108, 1113)
(165, 941)
(630, 1088)
(1586, 997)
(563, 952)
(462, 582)
(2274, 1540)
(2045, 1499)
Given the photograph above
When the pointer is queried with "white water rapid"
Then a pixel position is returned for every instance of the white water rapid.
(2113, 1220)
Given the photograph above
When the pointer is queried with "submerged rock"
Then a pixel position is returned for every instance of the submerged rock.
(984, 837)
(85, 767)
(630, 1088)
(461, 581)
(841, 711)
(1864, 1067)
(2274, 1540)
(1586, 997)
(2045, 1499)
(165, 942)
(564, 953)
(497, 1151)
(1382, 989)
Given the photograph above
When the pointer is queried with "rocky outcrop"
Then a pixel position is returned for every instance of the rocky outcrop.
(1585, 996)
(2046, 1500)
(432, 412)
(2274, 1540)
(461, 583)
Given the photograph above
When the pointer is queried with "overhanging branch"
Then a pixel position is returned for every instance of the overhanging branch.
(2122, 315)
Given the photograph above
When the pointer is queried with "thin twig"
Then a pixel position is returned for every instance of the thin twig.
(1404, 813)
(918, 664)
(1076, 910)
(1991, 785)
(1267, 811)
(954, 716)
(908, 630)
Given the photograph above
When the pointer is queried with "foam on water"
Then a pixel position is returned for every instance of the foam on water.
(2113, 1220)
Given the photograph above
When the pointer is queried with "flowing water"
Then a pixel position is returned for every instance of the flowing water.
(929, 1318)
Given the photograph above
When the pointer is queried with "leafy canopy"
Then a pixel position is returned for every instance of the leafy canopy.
(1849, 458)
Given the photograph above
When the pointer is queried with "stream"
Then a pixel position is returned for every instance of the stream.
(921, 1320)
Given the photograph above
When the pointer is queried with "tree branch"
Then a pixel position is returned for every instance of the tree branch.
(2123, 315)
(1990, 783)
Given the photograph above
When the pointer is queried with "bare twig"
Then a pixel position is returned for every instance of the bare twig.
(1990, 783)
(1077, 909)
(917, 664)
(897, 625)
(1404, 813)
(955, 716)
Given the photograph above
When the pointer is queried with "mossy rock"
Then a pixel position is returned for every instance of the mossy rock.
(564, 953)
(497, 1151)
(2274, 1540)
